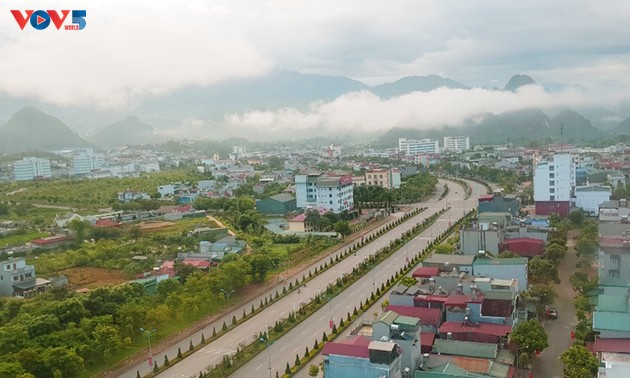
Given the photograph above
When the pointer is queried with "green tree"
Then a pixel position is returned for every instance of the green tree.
(63, 359)
(443, 249)
(542, 271)
(579, 362)
(555, 252)
(576, 217)
(582, 283)
(313, 370)
(106, 339)
(343, 228)
(11, 369)
(530, 337)
(409, 281)
(79, 228)
(544, 293)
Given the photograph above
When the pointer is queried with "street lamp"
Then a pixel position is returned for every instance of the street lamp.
(262, 340)
(227, 293)
(148, 334)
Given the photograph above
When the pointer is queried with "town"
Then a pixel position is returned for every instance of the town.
(426, 259)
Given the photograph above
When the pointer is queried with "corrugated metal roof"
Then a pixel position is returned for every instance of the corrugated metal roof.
(407, 321)
(465, 348)
(428, 316)
(388, 317)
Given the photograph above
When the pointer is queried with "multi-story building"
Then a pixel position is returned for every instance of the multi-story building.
(360, 357)
(31, 167)
(456, 143)
(589, 198)
(18, 279)
(418, 146)
(86, 161)
(386, 178)
(334, 193)
(554, 183)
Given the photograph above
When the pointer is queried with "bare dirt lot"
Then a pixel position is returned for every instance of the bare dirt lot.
(92, 278)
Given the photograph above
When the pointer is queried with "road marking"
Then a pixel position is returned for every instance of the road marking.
(281, 349)
(258, 367)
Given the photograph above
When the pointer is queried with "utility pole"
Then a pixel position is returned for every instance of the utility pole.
(227, 294)
(262, 340)
(148, 334)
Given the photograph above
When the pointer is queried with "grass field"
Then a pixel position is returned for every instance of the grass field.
(93, 277)
(20, 238)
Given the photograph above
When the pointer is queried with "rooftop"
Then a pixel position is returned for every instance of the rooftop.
(611, 345)
(429, 316)
(465, 348)
(611, 321)
(481, 328)
(355, 346)
(502, 261)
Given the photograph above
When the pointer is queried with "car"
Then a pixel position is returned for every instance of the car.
(552, 313)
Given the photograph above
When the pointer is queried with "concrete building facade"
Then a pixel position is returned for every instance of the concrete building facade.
(31, 167)
(418, 146)
(554, 183)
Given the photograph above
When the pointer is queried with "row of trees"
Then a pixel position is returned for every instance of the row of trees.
(413, 189)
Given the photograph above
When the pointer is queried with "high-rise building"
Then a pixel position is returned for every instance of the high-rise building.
(30, 168)
(456, 143)
(86, 161)
(421, 146)
(334, 193)
(554, 183)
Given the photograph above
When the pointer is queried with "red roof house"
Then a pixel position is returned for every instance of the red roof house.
(426, 272)
(524, 247)
(356, 346)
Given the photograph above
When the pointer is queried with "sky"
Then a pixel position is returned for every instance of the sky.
(130, 50)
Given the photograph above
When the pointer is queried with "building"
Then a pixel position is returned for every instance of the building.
(588, 198)
(554, 183)
(404, 331)
(499, 203)
(279, 204)
(417, 147)
(31, 167)
(18, 279)
(333, 193)
(456, 143)
(86, 161)
(360, 357)
(614, 211)
(503, 268)
(131, 195)
(385, 178)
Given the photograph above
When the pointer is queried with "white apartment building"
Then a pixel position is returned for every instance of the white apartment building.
(31, 167)
(334, 193)
(456, 143)
(554, 183)
(418, 146)
(87, 161)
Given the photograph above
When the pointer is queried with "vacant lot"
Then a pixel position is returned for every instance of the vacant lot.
(93, 277)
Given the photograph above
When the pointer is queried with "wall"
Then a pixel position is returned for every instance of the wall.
(351, 367)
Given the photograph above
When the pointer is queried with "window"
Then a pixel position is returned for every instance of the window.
(615, 259)
(551, 168)
(552, 190)
(614, 273)
(552, 198)
(552, 183)
(552, 175)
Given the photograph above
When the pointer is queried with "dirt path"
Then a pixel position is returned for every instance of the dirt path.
(548, 363)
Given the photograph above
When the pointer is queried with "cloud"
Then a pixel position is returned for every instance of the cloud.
(127, 51)
(364, 112)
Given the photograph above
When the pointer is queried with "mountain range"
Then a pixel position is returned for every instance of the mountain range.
(283, 89)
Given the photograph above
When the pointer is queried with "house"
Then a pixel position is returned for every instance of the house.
(614, 211)
(499, 203)
(64, 221)
(19, 279)
(588, 198)
(298, 222)
(524, 247)
(132, 195)
(279, 204)
(404, 331)
(503, 268)
(461, 263)
(51, 242)
(480, 237)
(360, 357)
(430, 318)
(328, 191)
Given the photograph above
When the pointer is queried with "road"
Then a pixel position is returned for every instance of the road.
(284, 350)
(214, 352)
(548, 363)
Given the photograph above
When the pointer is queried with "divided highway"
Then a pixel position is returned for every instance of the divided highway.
(298, 339)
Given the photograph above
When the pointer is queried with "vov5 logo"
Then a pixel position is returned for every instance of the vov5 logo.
(41, 19)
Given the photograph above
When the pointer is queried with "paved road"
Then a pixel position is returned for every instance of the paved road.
(548, 363)
(213, 352)
(284, 350)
